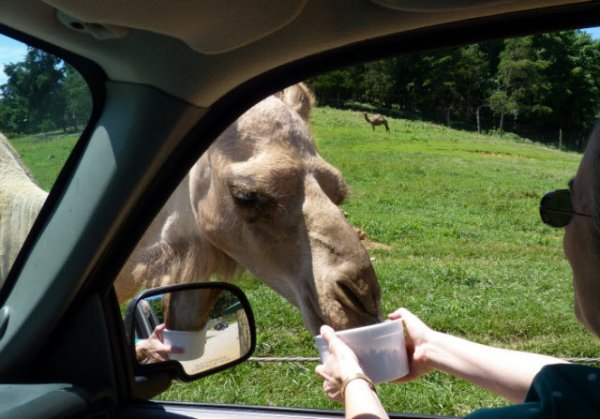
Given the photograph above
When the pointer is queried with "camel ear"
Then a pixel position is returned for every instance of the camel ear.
(172, 230)
(199, 181)
(300, 98)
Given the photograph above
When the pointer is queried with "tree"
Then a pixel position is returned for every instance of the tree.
(404, 83)
(78, 99)
(573, 80)
(377, 83)
(337, 86)
(521, 81)
(473, 81)
(502, 104)
(42, 94)
(440, 86)
(34, 94)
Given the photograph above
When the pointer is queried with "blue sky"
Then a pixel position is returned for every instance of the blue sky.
(12, 51)
(595, 32)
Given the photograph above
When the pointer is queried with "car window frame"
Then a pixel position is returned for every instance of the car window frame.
(235, 102)
(95, 79)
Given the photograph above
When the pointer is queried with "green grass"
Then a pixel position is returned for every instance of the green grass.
(468, 254)
(45, 155)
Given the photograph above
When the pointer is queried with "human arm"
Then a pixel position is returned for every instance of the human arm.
(505, 372)
(153, 349)
(359, 398)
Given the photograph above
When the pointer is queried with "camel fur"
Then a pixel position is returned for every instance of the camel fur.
(20, 202)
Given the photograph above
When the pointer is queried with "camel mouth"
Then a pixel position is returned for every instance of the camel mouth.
(348, 312)
(347, 296)
(355, 300)
(314, 317)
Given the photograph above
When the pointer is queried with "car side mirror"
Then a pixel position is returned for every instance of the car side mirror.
(193, 330)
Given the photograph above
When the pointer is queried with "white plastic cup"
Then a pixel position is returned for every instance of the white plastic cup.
(192, 343)
(380, 349)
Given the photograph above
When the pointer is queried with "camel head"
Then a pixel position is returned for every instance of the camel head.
(263, 196)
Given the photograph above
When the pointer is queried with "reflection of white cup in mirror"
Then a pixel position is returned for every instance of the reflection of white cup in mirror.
(192, 343)
(380, 349)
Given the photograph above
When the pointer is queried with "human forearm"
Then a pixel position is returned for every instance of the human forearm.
(505, 372)
(345, 381)
(362, 402)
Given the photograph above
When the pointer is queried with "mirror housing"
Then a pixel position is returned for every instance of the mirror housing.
(189, 330)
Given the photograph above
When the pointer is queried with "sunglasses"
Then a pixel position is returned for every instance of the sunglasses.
(556, 208)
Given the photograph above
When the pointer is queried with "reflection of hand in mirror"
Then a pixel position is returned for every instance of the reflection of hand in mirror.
(153, 349)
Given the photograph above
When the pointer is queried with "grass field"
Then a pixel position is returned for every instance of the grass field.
(45, 155)
(468, 254)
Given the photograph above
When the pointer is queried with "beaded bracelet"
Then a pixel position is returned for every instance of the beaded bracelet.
(355, 376)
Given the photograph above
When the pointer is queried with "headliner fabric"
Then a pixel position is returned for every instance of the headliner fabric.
(207, 26)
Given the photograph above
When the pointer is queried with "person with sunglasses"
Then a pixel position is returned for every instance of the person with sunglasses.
(541, 386)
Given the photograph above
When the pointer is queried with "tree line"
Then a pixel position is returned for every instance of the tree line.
(43, 94)
(544, 87)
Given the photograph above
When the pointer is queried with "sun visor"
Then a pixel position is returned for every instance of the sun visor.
(207, 26)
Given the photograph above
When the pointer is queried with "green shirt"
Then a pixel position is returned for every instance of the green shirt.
(558, 391)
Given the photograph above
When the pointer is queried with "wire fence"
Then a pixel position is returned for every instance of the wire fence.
(283, 359)
(301, 359)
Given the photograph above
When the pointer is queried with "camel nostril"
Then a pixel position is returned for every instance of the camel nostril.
(350, 298)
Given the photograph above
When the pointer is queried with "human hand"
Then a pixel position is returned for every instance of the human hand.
(153, 349)
(341, 363)
(418, 334)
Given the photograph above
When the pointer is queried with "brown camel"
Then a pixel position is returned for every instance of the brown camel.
(262, 198)
(377, 119)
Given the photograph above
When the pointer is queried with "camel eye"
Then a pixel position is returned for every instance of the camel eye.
(248, 199)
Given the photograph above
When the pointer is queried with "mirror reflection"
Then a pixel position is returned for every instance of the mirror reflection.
(201, 328)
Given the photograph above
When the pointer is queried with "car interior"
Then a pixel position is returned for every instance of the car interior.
(166, 79)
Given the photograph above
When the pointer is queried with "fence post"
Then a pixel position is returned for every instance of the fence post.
(560, 138)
